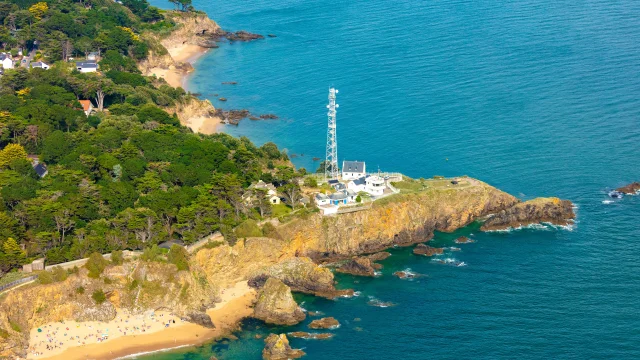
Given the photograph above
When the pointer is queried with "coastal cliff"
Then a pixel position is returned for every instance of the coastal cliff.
(286, 262)
(540, 210)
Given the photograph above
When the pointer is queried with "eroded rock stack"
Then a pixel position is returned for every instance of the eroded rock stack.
(277, 348)
(631, 189)
(276, 305)
(426, 250)
(360, 266)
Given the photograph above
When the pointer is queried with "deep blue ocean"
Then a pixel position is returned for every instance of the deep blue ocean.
(538, 98)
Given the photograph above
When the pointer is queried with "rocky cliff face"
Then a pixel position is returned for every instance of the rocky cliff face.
(302, 275)
(190, 29)
(399, 220)
(549, 210)
(275, 304)
(360, 266)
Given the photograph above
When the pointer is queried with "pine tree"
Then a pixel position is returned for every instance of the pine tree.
(13, 254)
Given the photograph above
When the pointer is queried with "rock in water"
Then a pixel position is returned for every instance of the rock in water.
(539, 210)
(359, 266)
(631, 189)
(306, 335)
(426, 250)
(379, 256)
(277, 348)
(201, 319)
(276, 304)
(324, 323)
(463, 240)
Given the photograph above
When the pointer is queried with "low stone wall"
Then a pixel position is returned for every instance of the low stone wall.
(80, 262)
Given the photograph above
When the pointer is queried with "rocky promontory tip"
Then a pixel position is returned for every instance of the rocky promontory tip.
(277, 348)
(276, 305)
(426, 250)
(536, 211)
(631, 189)
(360, 266)
(324, 323)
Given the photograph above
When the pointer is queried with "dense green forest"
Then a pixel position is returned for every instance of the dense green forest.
(126, 177)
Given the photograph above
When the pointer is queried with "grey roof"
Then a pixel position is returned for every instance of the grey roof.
(3, 56)
(340, 195)
(37, 64)
(359, 181)
(87, 64)
(351, 192)
(41, 169)
(339, 186)
(333, 182)
(321, 196)
(353, 166)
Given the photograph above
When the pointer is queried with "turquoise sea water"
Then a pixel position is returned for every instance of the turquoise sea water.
(538, 98)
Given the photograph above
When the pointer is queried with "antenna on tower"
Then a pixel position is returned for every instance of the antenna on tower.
(331, 162)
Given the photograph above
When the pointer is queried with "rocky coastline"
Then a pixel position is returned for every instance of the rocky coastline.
(631, 189)
(291, 260)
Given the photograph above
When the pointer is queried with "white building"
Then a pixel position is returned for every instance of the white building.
(87, 66)
(357, 185)
(7, 63)
(322, 199)
(39, 65)
(269, 191)
(353, 170)
(374, 185)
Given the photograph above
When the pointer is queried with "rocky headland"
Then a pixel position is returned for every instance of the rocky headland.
(289, 260)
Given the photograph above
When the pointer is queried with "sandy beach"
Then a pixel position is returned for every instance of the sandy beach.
(132, 334)
(183, 53)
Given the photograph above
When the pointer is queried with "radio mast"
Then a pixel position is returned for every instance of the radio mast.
(331, 162)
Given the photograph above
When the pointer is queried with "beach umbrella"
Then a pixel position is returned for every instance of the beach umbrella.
(39, 330)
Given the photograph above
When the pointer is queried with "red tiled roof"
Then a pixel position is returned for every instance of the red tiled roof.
(86, 104)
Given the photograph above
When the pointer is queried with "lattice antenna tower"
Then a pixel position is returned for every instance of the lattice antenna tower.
(331, 162)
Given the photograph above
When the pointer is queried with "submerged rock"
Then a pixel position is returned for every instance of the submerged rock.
(324, 323)
(277, 348)
(315, 313)
(631, 189)
(276, 305)
(405, 274)
(550, 210)
(463, 240)
(426, 250)
(359, 266)
(302, 275)
(314, 336)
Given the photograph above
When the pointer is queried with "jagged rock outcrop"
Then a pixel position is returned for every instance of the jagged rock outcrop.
(277, 348)
(198, 115)
(426, 250)
(192, 28)
(379, 256)
(399, 220)
(302, 275)
(201, 319)
(276, 305)
(360, 266)
(324, 323)
(314, 336)
(548, 210)
(631, 189)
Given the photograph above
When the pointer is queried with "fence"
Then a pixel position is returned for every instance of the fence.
(18, 282)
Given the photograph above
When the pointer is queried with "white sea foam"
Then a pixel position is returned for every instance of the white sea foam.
(133, 356)
(608, 202)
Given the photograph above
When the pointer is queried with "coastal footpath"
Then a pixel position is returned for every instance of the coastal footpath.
(218, 274)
